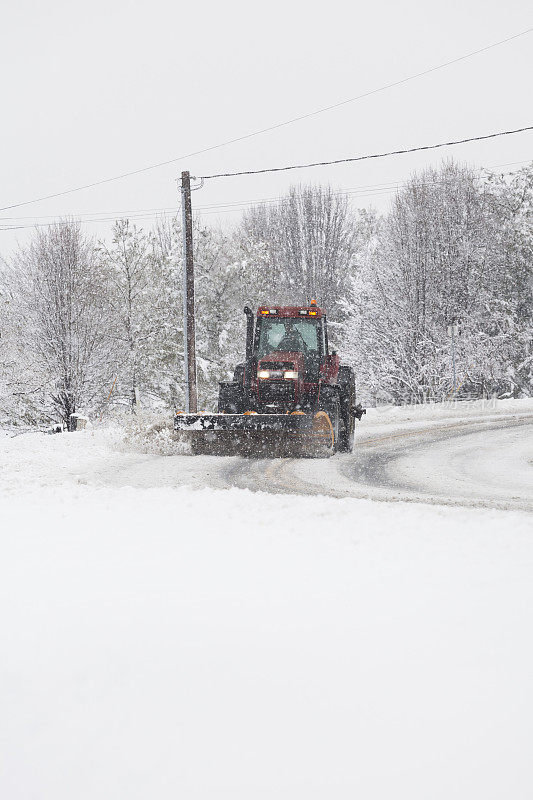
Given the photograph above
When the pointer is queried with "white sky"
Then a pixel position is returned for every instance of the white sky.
(94, 89)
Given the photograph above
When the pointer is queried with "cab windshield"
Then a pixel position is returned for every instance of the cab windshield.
(287, 335)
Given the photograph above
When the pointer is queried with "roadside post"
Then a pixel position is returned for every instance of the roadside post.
(453, 331)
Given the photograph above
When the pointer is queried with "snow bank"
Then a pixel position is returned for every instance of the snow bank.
(453, 410)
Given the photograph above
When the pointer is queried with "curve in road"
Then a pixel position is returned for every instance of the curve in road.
(482, 461)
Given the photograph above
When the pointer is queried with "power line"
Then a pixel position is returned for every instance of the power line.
(270, 128)
(362, 191)
(510, 164)
(366, 157)
(91, 213)
(363, 188)
(140, 215)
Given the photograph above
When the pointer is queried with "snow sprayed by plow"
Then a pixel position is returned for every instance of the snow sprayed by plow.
(153, 433)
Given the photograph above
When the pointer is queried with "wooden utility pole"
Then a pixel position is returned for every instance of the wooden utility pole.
(189, 348)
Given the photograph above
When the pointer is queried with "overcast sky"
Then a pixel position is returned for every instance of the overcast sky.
(94, 89)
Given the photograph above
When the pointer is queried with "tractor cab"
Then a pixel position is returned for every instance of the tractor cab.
(287, 357)
(301, 334)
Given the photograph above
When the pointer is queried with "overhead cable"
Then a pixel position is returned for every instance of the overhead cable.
(362, 189)
(365, 157)
(270, 128)
(359, 192)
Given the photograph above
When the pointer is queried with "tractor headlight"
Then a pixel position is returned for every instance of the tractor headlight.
(263, 373)
(290, 375)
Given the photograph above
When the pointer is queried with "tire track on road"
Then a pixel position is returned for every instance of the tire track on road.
(369, 471)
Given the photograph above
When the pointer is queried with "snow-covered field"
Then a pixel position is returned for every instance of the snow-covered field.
(179, 642)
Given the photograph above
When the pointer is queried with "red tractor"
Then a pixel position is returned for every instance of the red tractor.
(290, 394)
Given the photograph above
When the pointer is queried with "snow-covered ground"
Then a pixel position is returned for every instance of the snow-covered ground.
(181, 642)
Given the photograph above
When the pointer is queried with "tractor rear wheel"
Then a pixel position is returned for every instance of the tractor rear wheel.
(346, 382)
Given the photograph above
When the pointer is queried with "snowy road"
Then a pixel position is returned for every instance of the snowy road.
(484, 460)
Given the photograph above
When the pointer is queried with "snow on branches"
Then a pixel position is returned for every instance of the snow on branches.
(79, 318)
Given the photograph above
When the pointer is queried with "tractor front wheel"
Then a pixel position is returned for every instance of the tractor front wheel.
(325, 431)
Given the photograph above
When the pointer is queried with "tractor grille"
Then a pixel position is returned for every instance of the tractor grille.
(277, 392)
(277, 365)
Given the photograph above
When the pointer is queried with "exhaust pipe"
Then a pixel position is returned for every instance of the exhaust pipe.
(249, 348)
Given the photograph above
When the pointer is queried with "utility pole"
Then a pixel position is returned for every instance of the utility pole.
(189, 345)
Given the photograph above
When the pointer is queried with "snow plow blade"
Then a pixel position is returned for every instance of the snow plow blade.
(252, 434)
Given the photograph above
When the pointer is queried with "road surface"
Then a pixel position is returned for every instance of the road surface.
(483, 460)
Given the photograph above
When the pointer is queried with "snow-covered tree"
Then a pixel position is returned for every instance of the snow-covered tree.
(137, 313)
(451, 249)
(311, 239)
(511, 319)
(59, 323)
(227, 276)
(166, 374)
(457, 245)
(8, 360)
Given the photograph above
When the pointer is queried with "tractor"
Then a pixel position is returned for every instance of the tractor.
(291, 395)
